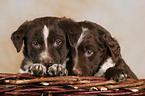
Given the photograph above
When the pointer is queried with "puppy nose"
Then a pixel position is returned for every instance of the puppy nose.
(48, 62)
(77, 72)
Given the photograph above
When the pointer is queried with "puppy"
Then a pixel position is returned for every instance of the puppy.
(98, 54)
(47, 42)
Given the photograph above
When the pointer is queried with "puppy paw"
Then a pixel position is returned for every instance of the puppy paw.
(116, 74)
(57, 70)
(37, 70)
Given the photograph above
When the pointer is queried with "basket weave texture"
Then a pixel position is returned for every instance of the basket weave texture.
(28, 85)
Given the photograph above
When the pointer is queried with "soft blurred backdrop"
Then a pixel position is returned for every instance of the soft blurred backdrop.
(124, 19)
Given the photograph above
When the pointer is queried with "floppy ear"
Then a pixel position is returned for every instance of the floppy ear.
(113, 47)
(18, 36)
(72, 29)
(111, 44)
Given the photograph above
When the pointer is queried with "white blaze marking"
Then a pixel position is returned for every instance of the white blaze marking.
(109, 63)
(45, 54)
(77, 45)
(45, 34)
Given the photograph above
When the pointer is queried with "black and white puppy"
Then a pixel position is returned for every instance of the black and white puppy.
(47, 42)
(98, 54)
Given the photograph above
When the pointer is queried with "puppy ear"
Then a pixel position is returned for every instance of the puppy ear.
(106, 40)
(72, 29)
(18, 36)
(113, 47)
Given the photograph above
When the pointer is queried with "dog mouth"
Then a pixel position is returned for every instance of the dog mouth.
(48, 63)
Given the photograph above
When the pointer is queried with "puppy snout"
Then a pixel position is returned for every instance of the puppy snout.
(77, 72)
(48, 62)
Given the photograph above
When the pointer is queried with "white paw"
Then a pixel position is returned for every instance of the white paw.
(57, 70)
(37, 70)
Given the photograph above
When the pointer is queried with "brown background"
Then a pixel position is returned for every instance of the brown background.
(124, 19)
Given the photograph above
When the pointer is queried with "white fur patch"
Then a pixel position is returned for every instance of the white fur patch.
(64, 63)
(77, 45)
(44, 54)
(22, 71)
(109, 63)
(29, 63)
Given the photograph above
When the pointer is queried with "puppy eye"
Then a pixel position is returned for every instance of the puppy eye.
(35, 44)
(89, 53)
(57, 43)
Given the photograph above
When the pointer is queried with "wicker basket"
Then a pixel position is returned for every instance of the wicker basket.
(27, 85)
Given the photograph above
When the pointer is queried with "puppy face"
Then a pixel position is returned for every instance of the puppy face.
(46, 45)
(47, 41)
(87, 54)
(94, 48)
